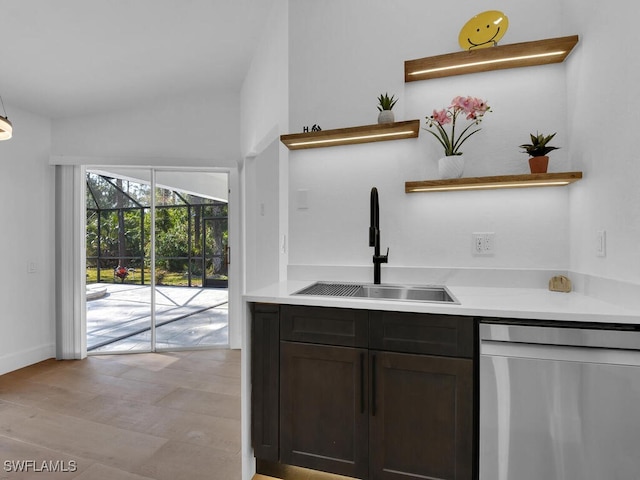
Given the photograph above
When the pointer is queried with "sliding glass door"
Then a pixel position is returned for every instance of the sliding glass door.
(157, 274)
(118, 293)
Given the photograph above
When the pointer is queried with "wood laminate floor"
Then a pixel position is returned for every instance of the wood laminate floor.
(158, 416)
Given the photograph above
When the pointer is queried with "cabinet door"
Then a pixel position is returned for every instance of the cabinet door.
(265, 380)
(421, 417)
(323, 395)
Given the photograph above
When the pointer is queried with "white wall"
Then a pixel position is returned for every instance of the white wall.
(200, 129)
(262, 218)
(343, 55)
(264, 117)
(429, 230)
(603, 116)
(264, 173)
(264, 95)
(27, 212)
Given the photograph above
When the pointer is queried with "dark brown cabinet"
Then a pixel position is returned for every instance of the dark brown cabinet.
(323, 389)
(324, 421)
(442, 335)
(421, 417)
(265, 380)
(328, 326)
(376, 395)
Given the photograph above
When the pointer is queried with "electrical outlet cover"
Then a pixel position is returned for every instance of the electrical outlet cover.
(483, 243)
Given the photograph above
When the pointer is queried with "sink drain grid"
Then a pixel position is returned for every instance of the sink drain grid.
(330, 289)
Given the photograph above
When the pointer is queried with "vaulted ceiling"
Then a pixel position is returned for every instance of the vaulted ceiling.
(67, 58)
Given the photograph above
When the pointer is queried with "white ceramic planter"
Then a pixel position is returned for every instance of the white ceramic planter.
(386, 116)
(451, 166)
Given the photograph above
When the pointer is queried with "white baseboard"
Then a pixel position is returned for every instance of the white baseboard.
(14, 361)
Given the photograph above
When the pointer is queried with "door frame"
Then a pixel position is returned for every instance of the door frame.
(71, 317)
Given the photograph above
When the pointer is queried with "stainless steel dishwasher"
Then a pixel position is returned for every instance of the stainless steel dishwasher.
(559, 403)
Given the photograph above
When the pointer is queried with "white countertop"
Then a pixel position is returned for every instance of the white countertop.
(523, 303)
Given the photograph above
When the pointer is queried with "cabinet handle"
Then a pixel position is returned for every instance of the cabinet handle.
(373, 386)
(362, 389)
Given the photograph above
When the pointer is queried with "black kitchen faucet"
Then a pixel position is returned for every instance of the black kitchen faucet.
(374, 237)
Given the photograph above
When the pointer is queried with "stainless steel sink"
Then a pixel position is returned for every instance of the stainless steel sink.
(410, 294)
(407, 293)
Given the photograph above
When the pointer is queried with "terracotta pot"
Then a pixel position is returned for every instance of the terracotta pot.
(539, 164)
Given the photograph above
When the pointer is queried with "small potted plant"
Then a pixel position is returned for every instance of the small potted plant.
(386, 103)
(538, 150)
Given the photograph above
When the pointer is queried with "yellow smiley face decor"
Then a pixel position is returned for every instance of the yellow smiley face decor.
(483, 30)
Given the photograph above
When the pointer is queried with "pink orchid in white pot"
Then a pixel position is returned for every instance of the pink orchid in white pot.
(451, 166)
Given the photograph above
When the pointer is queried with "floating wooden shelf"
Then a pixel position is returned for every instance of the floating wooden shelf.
(526, 54)
(352, 135)
(488, 183)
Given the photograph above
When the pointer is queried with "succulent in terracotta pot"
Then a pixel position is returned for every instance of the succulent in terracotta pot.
(385, 104)
(538, 151)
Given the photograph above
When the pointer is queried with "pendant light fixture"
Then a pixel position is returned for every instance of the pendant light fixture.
(6, 129)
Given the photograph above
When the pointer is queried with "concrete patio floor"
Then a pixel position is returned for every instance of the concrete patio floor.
(119, 320)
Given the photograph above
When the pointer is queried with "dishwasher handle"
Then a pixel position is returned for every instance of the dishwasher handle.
(563, 353)
(564, 336)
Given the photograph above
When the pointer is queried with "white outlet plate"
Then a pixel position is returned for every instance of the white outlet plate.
(483, 243)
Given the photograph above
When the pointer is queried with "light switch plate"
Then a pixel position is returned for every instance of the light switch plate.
(601, 243)
(302, 199)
